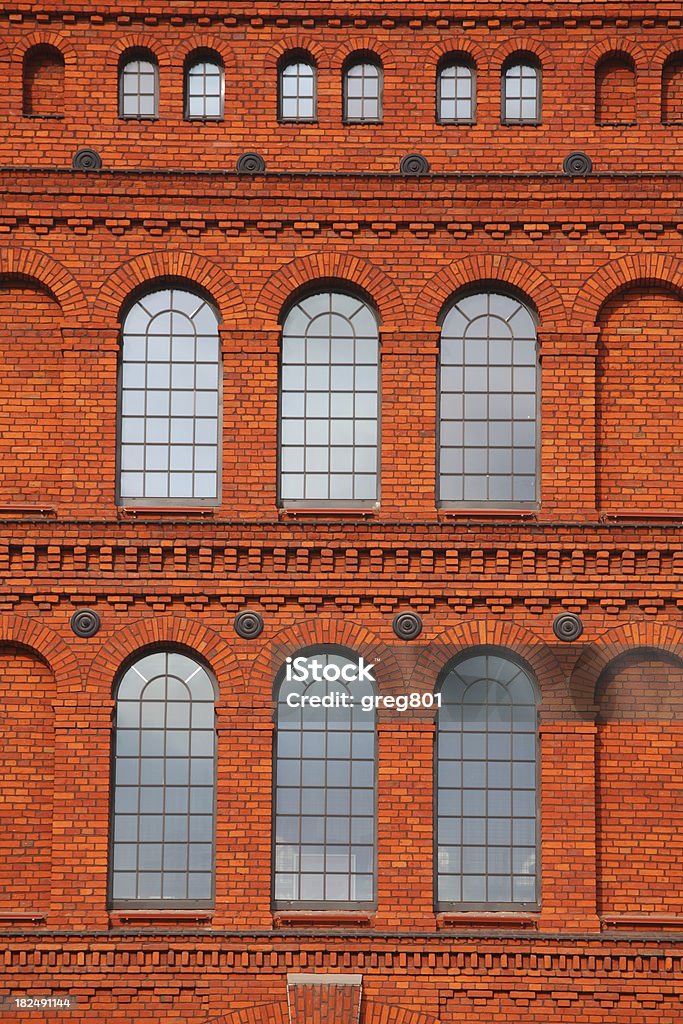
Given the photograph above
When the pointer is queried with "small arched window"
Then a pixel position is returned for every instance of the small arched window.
(486, 774)
(363, 85)
(615, 90)
(521, 90)
(329, 440)
(488, 402)
(672, 90)
(297, 88)
(162, 839)
(169, 401)
(43, 82)
(204, 86)
(455, 91)
(325, 784)
(138, 85)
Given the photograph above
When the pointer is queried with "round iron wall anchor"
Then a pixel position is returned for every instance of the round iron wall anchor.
(87, 160)
(85, 622)
(251, 163)
(577, 165)
(414, 165)
(567, 627)
(248, 625)
(407, 625)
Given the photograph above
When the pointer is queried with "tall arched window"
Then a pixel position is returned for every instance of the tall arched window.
(615, 90)
(521, 90)
(363, 82)
(297, 88)
(204, 86)
(138, 85)
(170, 401)
(487, 803)
(488, 402)
(672, 90)
(162, 841)
(43, 82)
(329, 402)
(325, 788)
(455, 90)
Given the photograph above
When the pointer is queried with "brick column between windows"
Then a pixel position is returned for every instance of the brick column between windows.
(568, 827)
(408, 419)
(568, 428)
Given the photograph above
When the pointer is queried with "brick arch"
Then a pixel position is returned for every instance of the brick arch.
(298, 42)
(36, 266)
(456, 44)
(271, 1013)
(204, 41)
(365, 42)
(615, 45)
(457, 640)
(36, 637)
(317, 631)
(524, 44)
(53, 39)
(666, 50)
(640, 268)
(631, 636)
(138, 41)
(378, 1013)
(149, 267)
(326, 266)
(492, 269)
(145, 633)
(4, 51)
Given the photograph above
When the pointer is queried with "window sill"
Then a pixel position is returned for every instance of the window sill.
(328, 513)
(27, 510)
(487, 513)
(483, 919)
(647, 922)
(44, 117)
(322, 918)
(118, 918)
(18, 918)
(614, 517)
(133, 511)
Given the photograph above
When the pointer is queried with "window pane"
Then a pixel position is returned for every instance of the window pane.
(363, 92)
(139, 88)
(455, 93)
(160, 700)
(297, 92)
(204, 90)
(521, 93)
(486, 785)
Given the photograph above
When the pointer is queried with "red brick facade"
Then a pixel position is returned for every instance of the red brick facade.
(597, 257)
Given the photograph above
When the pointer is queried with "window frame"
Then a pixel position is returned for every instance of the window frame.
(196, 57)
(117, 905)
(138, 53)
(484, 505)
(31, 52)
(357, 59)
(451, 906)
(168, 503)
(621, 60)
(282, 906)
(329, 504)
(455, 60)
(288, 59)
(522, 58)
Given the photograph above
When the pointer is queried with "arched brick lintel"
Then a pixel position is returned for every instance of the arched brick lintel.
(52, 39)
(457, 640)
(616, 45)
(642, 268)
(138, 41)
(271, 1013)
(138, 636)
(377, 1013)
(673, 47)
(315, 632)
(523, 44)
(360, 43)
(43, 270)
(612, 644)
(294, 42)
(149, 267)
(492, 269)
(36, 637)
(327, 266)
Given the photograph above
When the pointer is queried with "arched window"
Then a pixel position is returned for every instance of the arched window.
(325, 789)
(521, 90)
(672, 90)
(297, 88)
(43, 82)
(164, 783)
(488, 402)
(329, 402)
(170, 401)
(615, 90)
(204, 86)
(487, 804)
(363, 80)
(455, 91)
(138, 85)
